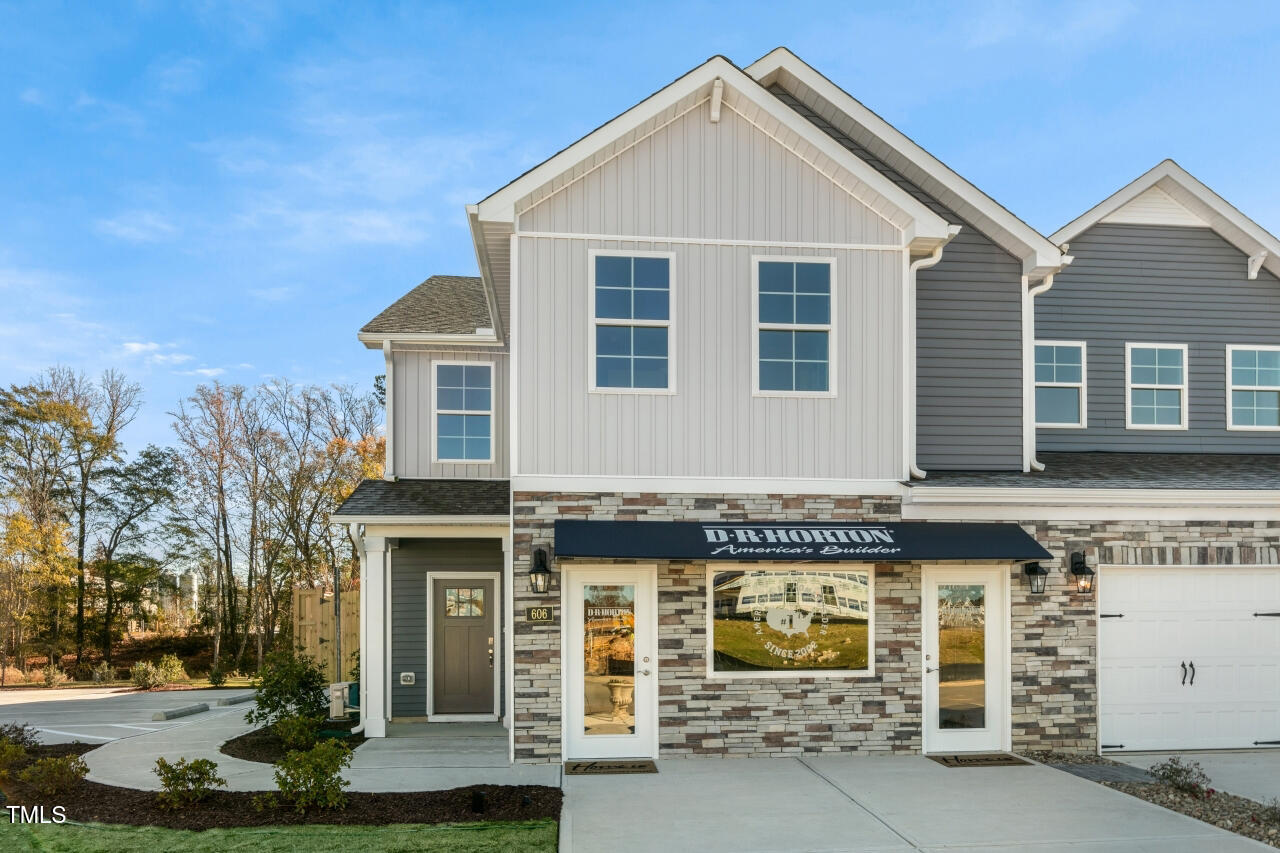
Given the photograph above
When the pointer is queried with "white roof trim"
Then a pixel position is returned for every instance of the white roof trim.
(922, 225)
(431, 520)
(1039, 255)
(374, 340)
(1232, 225)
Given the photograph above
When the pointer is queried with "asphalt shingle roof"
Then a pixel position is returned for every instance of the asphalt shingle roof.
(1083, 470)
(443, 304)
(428, 497)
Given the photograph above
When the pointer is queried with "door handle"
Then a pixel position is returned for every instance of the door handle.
(929, 669)
(644, 672)
(491, 653)
(1193, 674)
(1184, 672)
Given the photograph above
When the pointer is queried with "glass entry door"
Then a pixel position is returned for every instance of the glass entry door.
(966, 666)
(611, 668)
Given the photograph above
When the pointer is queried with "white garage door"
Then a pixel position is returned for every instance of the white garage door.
(1189, 658)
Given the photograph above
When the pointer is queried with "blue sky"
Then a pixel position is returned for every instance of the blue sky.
(213, 189)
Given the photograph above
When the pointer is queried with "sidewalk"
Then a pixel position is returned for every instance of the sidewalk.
(390, 764)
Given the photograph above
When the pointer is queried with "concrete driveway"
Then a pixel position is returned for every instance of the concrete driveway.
(100, 715)
(1252, 773)
(872, 805)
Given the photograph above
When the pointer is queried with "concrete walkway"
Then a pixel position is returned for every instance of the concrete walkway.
(872, 805)
(1251, 773)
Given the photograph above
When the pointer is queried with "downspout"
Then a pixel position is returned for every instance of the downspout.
(1028, 368)
(389, 466)
(357, 541)
(924, 263)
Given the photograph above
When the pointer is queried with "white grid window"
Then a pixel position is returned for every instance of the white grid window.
(1061, 384)
(794, 306)
(1253, 387)
(462, 402)
(631, 318)
(1156, 389)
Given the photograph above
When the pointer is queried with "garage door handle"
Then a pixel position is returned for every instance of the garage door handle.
(1184, 672)
(1266, 614)
(1193, 674)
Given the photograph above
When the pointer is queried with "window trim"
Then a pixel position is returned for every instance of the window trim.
(1083, 384)
(1129, 386)
(669, 324)
(713, 568)
(757, 326)
(436, 412)
(1231, 424)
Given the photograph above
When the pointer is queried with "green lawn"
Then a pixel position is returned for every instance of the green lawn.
(535, 836)
(739, 647)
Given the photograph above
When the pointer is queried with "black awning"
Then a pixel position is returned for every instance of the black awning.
(906, 541)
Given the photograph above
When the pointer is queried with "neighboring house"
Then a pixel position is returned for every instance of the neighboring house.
(798, 421)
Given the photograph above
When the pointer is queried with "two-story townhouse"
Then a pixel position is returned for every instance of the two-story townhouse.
(683, 471)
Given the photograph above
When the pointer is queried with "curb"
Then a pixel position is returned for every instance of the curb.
(185, 711)
(235, 700)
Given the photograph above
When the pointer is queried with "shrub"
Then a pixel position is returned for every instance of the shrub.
(50, 776)
(217, 677)
(145, 676)
(21, 734)
(288, 686)
(1189, 778)
(53, 676)
(171, 670)
(102, 672)
(1271, 811)
(186, 782)
(312, 779)
(10, 754)
(298, 732)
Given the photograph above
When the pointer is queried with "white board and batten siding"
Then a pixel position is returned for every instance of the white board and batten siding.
(725, 182)
(1156, 624)
(413, 427)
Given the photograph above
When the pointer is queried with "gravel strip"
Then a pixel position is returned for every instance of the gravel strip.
(1054, 758)
(1236, 814)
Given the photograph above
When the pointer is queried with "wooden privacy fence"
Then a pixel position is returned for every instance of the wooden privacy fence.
(315, 635)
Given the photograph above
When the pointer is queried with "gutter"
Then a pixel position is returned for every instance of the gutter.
(914, 471)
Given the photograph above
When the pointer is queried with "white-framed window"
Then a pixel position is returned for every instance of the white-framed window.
(1253, 387)
(1062, 378)
(632, 315)
(462, 412)
(1155, 386)
(793, 342)
(790, 620)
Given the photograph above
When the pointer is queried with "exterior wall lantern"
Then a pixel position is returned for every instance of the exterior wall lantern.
(1036, 575)
(1084, 575)
(540, 573)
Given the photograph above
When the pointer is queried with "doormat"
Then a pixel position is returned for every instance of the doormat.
(980, 759)
(609, 766)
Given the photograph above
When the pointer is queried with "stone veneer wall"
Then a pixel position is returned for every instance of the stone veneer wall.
(701, 716)
(1054, 653)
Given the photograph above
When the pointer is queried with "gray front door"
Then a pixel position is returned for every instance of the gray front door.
(462, 639)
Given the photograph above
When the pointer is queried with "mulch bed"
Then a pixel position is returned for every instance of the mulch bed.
(1227, 811)
(93, 802)
(263, 746)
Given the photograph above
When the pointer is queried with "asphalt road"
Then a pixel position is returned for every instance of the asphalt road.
(100, 715)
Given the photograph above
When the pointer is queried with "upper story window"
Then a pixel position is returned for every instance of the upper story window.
(631, 322)
(463, 412)
(1156, 392)
(794, 332)
(1061, 393)
(1253, 387)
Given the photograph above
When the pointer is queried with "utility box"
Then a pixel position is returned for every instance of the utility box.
(338, 700)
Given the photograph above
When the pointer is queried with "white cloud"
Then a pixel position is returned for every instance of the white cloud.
(137, 226)
(32, 96)
(170, 358)
(137, 347)
(179, 77)
(207, 372)
(272, 294)
(156, 354)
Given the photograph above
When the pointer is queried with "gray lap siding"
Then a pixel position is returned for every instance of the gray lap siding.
(410, 563)
(1158, 284)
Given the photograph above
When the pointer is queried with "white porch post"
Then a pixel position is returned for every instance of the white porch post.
(373, 619)
(509, 644)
